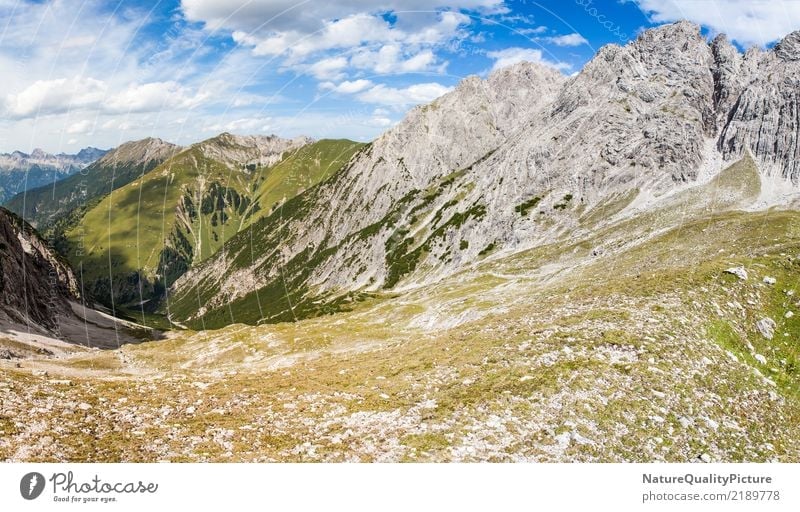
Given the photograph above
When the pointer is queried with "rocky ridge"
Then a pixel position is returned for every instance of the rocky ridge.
(56, 203)
(537, 155)
(21, 171)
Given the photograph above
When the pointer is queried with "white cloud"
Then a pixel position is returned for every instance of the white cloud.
(354, 31)
(390, 59)
(346, 87)
(380, 122)
(78, 41)
(511, 56)
(45, 97)
(749, 22)
(80, 127)
(411, 95)
(153, 97)
(244, 125)
(573, 39)
(541, 29)
(50, 97)
(328, 69)
(276, 16)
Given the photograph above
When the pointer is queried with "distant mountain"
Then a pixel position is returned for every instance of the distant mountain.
(525, 158)
(20, 171)
(48, 204)
(141, 237)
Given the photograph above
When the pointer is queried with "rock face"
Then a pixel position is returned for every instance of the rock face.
(36, 285)
(507, 163)
(48, 204)
(764, 117)
(20, 171)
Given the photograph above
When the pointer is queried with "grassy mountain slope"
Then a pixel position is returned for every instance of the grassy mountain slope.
(46, 205)
(144, 235)
(648, 351)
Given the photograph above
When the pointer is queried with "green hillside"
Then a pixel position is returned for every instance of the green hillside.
(48, 204)
(140, 238)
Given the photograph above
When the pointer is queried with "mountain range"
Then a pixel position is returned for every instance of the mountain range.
(20, 171)
(532, 267)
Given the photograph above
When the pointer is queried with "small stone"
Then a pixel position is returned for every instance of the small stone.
(739, 272)
(84, 406)
(766, 326)
(704, 457)
(525, 378)
(770, 280)
(788, 314)
(761, 359)
(190, 410)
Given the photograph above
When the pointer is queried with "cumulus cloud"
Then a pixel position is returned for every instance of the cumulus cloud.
(45, 97)
(328, 69)
(390, 59)
(748, 22)
(573, 39)
(411, 95)
(511, 56)
(346, 87)
(352, 32)
(50, 97)
(154, 97)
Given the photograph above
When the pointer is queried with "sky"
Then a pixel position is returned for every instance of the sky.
(77, 73)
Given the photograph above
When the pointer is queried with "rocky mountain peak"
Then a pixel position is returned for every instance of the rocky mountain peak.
(789, 47)
(236, 150)
(139, 152)
(90, 154)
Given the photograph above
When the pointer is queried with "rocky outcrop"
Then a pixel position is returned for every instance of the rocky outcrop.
(765, 117)
(36, 285)
(241, 151)
(145, 153)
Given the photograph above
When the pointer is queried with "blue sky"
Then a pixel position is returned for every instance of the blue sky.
(98, 72)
